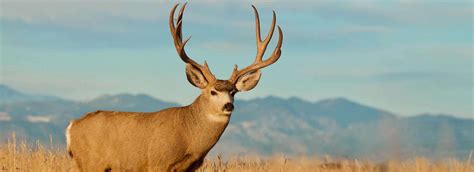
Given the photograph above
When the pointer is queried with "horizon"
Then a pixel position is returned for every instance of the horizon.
(247, 99)
(408, 58)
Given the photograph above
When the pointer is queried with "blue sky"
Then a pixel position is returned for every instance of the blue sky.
(408, 57)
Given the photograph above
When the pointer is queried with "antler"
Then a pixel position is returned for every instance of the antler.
(261, 47)
(176, 33)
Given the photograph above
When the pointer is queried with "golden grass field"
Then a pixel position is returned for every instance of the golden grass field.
(22, 156)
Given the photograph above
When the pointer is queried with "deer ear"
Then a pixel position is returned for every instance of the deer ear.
(195, 76)
(248, 81)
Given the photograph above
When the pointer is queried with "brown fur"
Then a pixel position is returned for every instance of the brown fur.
(224, 85)
(175, 139)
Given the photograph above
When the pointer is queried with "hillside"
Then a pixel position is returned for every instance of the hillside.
(337, 126)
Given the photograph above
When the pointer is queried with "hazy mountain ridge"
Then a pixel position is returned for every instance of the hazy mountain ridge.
(269, 125)
(8, 94)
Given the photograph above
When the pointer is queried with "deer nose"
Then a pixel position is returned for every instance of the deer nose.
(228, 107)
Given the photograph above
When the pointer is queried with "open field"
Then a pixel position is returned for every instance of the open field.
(22, 156)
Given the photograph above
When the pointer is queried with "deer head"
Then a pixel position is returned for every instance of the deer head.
(219, 94)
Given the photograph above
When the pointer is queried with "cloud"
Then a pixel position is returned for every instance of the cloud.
(429, 13)
(4, 116)
(443, 50)
(68, 11)
(82, 14)
(404, 76)
(38, 119)
(364, 29)
(390, 12)
(73, 11)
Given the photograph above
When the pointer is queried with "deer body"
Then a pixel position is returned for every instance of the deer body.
(174, 139)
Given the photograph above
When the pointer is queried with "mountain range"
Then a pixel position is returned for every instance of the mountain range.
(264, 126)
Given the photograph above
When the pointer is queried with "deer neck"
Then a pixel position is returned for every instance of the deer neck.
(200, 108)
(204, 127)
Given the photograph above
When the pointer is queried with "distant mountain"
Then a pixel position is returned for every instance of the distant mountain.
(36, 118)
(344, 128)
(128, 102)
(338, 109)
(8, 94)
(337, 126)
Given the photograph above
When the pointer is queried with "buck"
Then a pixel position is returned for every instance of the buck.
(174, 139)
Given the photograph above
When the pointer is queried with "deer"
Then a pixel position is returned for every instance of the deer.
(173, 139)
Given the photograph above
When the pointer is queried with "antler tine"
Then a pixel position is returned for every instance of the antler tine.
(257, 25)
(261, 47)
(176, 33)
(277, 50)
(180, 20)
(171, 23)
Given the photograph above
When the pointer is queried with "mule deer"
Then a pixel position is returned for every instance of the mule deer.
(174, 139)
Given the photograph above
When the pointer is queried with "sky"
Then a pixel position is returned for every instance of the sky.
(406, 57)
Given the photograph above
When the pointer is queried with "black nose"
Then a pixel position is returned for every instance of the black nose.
(228, 107)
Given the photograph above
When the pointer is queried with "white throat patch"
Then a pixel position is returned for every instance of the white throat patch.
(68, 134)
(218, 117)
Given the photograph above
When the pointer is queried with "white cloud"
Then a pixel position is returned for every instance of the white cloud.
(410, 12)
(70, 12)
(362, 28)
(4, 116)
(442, 50)
(89, 11)
(38, 119)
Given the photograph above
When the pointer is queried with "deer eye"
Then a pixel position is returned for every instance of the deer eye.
(213, 93)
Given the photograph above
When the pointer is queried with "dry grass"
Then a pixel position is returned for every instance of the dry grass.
(279, 163)
(20, 156)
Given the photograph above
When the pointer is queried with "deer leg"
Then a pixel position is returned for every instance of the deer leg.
(196, 164)
(185, 164)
